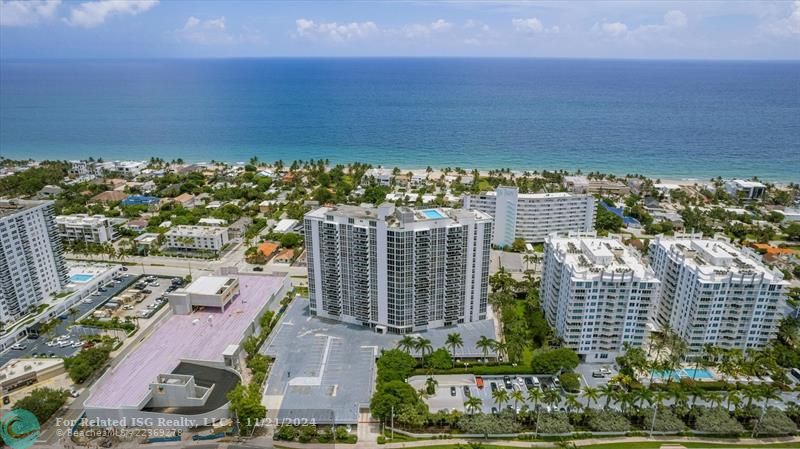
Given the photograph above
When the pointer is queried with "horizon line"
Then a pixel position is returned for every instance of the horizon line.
(409, 57)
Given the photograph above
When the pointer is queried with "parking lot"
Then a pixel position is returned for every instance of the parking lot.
(37, 346)
(139, 304)
(595, 375)
(453, 391)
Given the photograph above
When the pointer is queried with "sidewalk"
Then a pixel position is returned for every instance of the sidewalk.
(546, 444)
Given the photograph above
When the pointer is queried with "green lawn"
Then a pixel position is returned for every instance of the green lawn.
(631, 445)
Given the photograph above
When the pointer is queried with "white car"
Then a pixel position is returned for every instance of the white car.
(18, 347)
(77, 344)
(64, 344)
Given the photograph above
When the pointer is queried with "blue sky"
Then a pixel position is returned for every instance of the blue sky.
(611, 29)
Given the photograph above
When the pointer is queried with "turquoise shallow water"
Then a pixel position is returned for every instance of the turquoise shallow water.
(674, 119)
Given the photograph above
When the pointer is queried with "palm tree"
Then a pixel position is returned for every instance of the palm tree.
(454, 340)
(591, 394)
(535, 396)
(751, 393)
(430, 385)
(734, 398)
(552, 397)
(500, 396)
(501, 348)
(485, 344)
(517, 397)
(608, 391)
(407, 343)
(714, 397)
(423, 346)
(573, 404)
(473, 404)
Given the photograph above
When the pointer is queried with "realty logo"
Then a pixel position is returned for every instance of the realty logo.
(19, 428)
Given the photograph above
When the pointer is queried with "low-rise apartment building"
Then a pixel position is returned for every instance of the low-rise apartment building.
(597, 294)
(533, 216)
(196, 238)
(715, 293)
(90, 229)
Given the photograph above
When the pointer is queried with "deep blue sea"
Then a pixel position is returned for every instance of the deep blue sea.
(673, 119)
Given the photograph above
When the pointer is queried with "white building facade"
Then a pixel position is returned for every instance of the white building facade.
(533, 216)
(597, 294)
(91, 229)
(747, 190)
(31, 257)
(196, 238)
(397, 269)
(715, 293)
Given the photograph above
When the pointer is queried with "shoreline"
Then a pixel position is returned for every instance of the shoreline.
(483, 171)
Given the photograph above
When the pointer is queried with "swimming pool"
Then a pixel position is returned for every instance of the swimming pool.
(700, 373)
(690, 373)
(432, 214)
(81, 277)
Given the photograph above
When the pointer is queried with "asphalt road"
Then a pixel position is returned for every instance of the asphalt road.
(39, 346)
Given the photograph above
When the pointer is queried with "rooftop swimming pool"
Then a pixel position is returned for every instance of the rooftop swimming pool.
(81, 278)
(432, 214)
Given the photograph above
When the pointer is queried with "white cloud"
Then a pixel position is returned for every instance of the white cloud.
(532, 25)
(475, 25)
(94, 13)
(334, 31)
(788, 26)
(17, 13)
(614, 28)
(675, 19)
(208, 32)
(528, 25)
(422, 30)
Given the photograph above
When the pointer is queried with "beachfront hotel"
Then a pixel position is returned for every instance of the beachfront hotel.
(31, 257)
(397, 269)
(533, 216)
(715, 293)
(596, 293)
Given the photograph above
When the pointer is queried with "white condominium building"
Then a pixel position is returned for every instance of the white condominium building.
(533, 216)
(196, 238)
(31, 257)
(714, 293)
(397, 269)
(596, 293)
(94, 229)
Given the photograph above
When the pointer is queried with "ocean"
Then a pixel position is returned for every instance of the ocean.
(669, 119)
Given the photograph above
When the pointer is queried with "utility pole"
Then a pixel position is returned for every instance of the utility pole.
(392, 423)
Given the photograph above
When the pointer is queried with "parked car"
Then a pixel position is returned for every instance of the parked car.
(597, 373)
(556, 383)
(535, 381)
(507, 381)
(493, 386)
(452, 391)
(258, 268)
(466, 391)
(74, 393)
(494, 410)
(18, 347)
(529, 382)
(124, 268)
